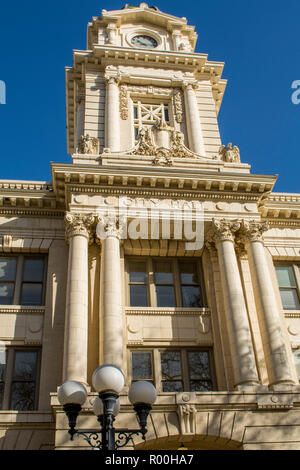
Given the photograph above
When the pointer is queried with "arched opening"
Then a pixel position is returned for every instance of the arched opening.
(196, 442)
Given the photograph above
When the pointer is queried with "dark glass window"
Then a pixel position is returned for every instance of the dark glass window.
(23, 386)
(199, 371)
(171, 371)
(22, 280)
(142, 366)
(190, 288)
(138, 284)
(7, 279)
(164, 284)
(288, 287)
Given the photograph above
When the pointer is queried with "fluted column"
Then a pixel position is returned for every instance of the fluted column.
(196, 142)
(241, 347)
(76, 320)
(112, 114)
(111, 292)
(275, 348)
(80, 116)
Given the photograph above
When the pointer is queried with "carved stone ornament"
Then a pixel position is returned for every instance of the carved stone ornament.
(252, 231)
(221, 230)
(187, 418)
(230, 154)
(177, 101)
(78, 224)
(88, 145)
(110, 226)
(124, 102)
(146, 145)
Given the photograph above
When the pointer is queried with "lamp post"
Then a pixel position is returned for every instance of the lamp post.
(108, 381)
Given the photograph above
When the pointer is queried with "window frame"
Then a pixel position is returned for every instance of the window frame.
(19, 277)
(137, 120)
(296, 274)
(185, 372)
(8, 379)
(152, 298)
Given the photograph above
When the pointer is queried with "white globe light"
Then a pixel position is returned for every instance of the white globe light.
(108, 377)
(142, 392)
(72, 392)
(98, 407)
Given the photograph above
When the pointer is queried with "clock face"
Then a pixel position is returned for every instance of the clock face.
(141, 40)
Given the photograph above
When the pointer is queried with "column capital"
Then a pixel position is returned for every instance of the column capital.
(252, 231)
(221, 230)
(78, 224)
(110, 226)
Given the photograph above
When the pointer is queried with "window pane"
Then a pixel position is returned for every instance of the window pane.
(174, 386)
(188, 273)
(171, 365)
(31, 294)
(138, 296)
(165, 296)
(191, 296)
(289, 299)
(25, 365)
(141, 366)
(163, 273)
(200, 386)
(137, 272)
(8, 269)
(6, 293)
(22, 396)
(285, 276)
(198, 365)
(33, 270)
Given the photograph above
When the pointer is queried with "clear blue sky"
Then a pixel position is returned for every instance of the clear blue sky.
(258, 40)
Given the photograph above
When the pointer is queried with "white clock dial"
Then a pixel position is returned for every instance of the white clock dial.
(141, 40)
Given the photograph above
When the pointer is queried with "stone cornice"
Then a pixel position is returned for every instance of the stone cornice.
(160, 182)
(281, 209)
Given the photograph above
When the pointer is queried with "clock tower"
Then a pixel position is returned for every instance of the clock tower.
(141, 94)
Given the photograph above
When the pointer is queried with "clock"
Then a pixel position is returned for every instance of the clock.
(143, 41)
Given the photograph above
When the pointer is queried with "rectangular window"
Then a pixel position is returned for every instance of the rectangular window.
(142, 366)
(148, 114)
(138, 284)
(19, 379)
(165, 282)
(288, 285)
(174, 370)
(22, 280)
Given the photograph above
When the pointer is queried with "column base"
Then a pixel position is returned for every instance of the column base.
(250, 387)
(284, 387)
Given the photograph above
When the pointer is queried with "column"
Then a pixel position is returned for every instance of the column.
(76, 320)
(196, 142)
(241, 348)
(111, 292)
(112, 114)
(80, 116)
(275, 348)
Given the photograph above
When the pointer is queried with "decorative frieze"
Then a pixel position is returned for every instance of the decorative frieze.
(123, 102)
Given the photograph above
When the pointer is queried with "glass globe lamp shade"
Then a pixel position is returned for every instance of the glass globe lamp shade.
(108, 377)
(142, 392)
(98, 407)
(71, 392)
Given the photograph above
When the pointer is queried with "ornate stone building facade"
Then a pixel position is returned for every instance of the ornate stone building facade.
(99, 265)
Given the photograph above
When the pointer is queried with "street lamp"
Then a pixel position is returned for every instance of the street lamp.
(108, 381)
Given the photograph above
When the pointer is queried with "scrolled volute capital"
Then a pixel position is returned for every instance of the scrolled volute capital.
(78, 224)
(222, 230)
(110, 226)
(252, 231)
